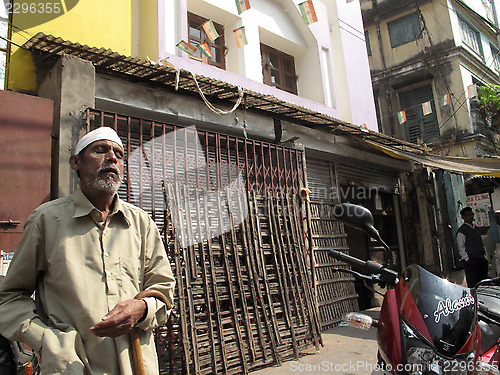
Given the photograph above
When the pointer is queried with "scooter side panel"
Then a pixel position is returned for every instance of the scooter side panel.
(388, 331)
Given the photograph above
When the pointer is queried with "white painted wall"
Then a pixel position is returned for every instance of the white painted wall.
(331, 61)
(348, 40)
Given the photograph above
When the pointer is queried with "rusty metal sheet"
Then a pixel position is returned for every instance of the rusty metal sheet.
(25, 148)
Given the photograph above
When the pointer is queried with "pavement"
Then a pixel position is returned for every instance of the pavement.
(346, 351)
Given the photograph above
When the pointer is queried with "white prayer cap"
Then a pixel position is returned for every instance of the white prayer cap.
(97, 135)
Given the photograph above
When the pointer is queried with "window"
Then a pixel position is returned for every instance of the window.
(495, 56)
(405, 30)
(419, 126)
(198, 36)
(278, 69)
(470, 36)
(367, 40)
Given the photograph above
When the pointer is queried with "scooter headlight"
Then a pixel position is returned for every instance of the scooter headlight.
(422, 359)
(426, 361)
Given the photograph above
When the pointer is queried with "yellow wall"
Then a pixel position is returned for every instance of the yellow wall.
(97, 23)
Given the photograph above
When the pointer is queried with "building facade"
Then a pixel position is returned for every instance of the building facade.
(426, 60)
(269, 124)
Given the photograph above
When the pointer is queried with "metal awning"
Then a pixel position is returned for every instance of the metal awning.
(478, 166)
(106, 60)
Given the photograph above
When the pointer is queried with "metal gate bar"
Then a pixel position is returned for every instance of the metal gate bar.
(230, 213)
(336, 293)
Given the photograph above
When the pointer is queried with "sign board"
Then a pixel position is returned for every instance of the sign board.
(481, 205)
(6, 257)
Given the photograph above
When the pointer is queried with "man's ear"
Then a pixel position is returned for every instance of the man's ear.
(74, 162)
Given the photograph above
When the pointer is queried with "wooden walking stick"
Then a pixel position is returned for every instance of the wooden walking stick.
(135, 345)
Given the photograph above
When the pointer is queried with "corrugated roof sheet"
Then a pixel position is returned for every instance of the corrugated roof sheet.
(108, 60)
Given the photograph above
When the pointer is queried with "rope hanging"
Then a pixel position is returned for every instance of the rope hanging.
(211, 106)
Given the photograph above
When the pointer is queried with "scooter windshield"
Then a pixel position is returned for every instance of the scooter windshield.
(448, 310)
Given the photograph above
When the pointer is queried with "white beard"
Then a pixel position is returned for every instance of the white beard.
(106, 184)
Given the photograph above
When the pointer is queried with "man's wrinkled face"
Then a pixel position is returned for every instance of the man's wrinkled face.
(100, 166)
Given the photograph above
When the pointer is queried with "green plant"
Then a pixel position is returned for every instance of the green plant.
(489, 104)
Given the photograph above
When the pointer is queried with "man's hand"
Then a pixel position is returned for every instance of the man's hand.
(121, 319)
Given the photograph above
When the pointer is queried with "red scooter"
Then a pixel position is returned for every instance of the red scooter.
(427, 325)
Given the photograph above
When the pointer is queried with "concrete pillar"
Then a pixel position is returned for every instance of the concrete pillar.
(71, 85)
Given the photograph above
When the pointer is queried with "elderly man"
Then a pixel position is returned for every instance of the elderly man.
(86, 256)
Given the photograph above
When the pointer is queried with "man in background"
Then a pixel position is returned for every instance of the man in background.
(471, 249)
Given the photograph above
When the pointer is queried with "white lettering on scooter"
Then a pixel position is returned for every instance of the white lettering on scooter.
(448, 306)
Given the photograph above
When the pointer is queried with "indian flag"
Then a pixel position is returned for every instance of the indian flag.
(240, 35)
(205, 49)
(445, 100)
(209, 28)
(308, 12)
(364, 128)
(242, 5)
(187, 47)
(426, 108)
(402, 117)
(165, 62)
(471, 91)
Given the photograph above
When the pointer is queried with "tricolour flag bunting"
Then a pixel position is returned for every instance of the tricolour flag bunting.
(165, 62)
(402, 117)
(445, 100)
(242, 5)
(426, 108)
(471, 91)
(364, 128)
(205, 49)
(187, 47)
(209, 28)
(240, 35)
(308, 12)
(160, 62)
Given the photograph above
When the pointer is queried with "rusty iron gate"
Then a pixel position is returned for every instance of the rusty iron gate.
(231, 211)
(335, 290)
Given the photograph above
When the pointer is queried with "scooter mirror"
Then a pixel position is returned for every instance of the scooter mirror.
(358, 217)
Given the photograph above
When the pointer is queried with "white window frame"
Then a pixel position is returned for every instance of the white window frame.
(495, 55)
(470, 36)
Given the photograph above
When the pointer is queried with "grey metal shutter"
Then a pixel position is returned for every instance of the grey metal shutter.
(367, 175)
(320, 178)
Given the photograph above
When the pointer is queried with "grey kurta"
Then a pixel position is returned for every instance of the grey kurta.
(80, 268)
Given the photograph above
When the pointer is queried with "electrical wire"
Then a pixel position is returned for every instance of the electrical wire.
(354, 35)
